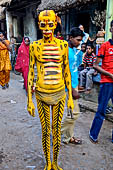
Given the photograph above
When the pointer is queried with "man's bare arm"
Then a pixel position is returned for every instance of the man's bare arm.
(100, 69)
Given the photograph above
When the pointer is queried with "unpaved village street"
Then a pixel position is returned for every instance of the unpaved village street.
(20, 137)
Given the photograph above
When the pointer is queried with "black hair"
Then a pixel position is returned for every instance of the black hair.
(26, 38)
(83, 44)
(1, 33)
(75, 32)
(80, 25)
(90, 45)
(111, 23)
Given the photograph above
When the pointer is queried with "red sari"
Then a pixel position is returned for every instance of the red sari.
(22, 62)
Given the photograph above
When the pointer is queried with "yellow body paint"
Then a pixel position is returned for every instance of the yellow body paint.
(51, 57)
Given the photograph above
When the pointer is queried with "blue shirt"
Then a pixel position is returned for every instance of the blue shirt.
(75, 59)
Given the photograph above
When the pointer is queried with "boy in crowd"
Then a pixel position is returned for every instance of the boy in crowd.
(83, 49)
(75, 59)
(88, 71)
(106, 88)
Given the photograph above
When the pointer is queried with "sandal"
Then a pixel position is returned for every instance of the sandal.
(7, 85)
(75, 141)
(3, 87)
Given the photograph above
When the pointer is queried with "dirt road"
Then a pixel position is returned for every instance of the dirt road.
(20, 137)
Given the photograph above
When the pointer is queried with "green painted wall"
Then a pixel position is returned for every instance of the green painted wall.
(109, 18)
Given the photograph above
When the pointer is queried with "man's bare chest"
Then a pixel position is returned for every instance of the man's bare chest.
(47, 53)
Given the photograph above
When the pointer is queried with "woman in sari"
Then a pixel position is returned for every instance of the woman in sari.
(22, 61)
(5, 64)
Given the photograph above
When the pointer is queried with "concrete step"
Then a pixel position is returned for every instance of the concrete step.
(92, 106)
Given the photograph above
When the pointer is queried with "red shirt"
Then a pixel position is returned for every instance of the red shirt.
(89, 59)
(106, 53)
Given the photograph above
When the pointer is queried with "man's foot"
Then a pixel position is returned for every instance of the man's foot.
(75, 141)
(4, 87)
(48, 167)
(23, 86)
(55, 167)
(109, 110)
(92, 140)
(7, 85)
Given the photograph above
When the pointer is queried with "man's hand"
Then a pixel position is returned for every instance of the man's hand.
(75, 94)
(70, 104)
(95, 73)
(31, 108)
(3, 41)
(111, 76)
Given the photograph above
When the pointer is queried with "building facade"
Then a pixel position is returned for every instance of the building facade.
(21, 18)
(76, 12)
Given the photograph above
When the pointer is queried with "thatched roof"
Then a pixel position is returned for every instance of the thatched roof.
(58, 5)
(2, 13)
(5, 2)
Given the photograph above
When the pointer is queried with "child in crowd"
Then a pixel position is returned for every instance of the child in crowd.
(59, 36)
(88, 71)
(83, 49)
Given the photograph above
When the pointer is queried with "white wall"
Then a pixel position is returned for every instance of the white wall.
(9, 22)
(29, 25)
(15, 27)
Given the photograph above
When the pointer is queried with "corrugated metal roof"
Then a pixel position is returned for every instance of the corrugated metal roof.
(61, 4)
(4, 2)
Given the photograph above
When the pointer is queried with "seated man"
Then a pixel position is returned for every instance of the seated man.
(86, 74)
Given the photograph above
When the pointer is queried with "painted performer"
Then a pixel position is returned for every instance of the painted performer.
(5, 64)
(51, 57)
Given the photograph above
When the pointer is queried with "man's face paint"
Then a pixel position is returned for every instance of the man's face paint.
(47, 23)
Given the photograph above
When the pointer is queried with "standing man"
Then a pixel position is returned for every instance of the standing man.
(5, 64)
(75, 59)
(51, 57)
(106, 88)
